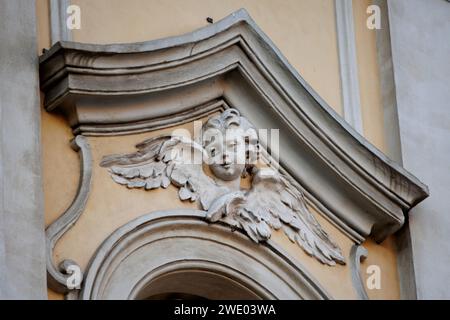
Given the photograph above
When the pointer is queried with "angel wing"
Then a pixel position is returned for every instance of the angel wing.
(162, 161)
(274, 203)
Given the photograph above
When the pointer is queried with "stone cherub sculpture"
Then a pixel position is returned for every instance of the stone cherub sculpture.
(229, 147)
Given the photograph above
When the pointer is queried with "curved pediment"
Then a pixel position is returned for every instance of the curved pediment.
(129, 88)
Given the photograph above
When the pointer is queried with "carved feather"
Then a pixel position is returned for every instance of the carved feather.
(274, 203)
(161, 161)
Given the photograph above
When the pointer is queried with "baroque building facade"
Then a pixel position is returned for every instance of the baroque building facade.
(340, 108)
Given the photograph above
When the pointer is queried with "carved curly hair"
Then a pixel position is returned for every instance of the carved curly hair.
(232, 118)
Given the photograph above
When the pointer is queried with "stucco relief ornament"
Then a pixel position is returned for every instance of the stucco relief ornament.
(229, 149)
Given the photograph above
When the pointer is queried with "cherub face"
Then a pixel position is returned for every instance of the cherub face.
(227, 153)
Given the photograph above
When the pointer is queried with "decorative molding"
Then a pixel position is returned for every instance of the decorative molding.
(358, 254)
(156, 123)
(387, 85)
(405, 261)
(57, 276)
(271, 203)
(348, 63)
(162, 242)
(58, 15)
(234, 61)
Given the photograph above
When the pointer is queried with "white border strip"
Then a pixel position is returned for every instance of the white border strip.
(348, 64)
(58, 29)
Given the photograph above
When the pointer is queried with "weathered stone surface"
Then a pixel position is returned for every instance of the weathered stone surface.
(422, 74)
(22, 241)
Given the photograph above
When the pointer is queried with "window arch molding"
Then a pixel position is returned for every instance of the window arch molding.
(163, 243)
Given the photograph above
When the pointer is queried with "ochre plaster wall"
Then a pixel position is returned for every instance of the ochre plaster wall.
(311, 49)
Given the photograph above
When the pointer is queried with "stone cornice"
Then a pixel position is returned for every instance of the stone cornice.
(111, 89)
